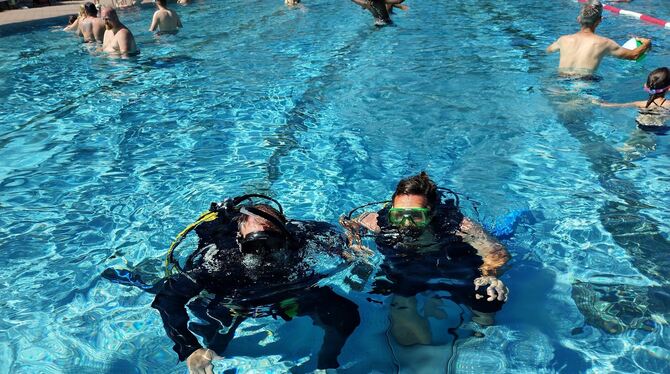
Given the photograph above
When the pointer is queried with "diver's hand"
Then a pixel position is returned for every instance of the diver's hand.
(200, 361)
(353, 230)
(361, 250)
(496, 289)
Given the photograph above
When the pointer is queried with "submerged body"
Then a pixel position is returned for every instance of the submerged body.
(655, 111)
(429, 246)
(582, 52)
(91, 27)
(280, 284)
(165, 19)
(118, 39)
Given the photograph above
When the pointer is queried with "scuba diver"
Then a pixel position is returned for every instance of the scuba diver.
(429, 245)
(256, 263)
(380, 9)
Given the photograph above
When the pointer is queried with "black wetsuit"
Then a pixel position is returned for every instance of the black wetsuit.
(438, 260)
(245, 286)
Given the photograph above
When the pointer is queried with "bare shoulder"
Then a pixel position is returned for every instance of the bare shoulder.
(124, 33)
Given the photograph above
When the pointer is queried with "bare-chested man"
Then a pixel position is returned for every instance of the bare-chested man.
(166, 20)
(91, 27)
(582, 51)
(118, 39)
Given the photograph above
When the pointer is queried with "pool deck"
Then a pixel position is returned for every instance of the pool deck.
(61, 9)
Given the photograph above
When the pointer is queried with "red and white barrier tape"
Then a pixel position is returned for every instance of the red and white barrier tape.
(636, 15)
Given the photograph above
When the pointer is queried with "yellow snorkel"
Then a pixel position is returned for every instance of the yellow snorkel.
(170, 262)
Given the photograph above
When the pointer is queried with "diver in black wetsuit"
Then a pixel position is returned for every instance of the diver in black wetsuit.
(429, 245)
(256, 264)
(379, 9)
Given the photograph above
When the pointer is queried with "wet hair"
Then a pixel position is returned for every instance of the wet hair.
(91, 9)
(72, 19)
(419, 184)
(591, 13)
(161, 2)
(658, 79)
(243, 218)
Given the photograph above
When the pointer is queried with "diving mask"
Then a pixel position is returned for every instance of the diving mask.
(261, 242)
(417, 217)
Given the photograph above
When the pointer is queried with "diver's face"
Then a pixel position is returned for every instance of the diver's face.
(252, 225)
(410, 211)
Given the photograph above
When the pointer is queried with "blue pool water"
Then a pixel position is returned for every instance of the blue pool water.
(103, 162)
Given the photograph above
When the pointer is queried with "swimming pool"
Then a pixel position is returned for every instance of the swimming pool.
(105, 161)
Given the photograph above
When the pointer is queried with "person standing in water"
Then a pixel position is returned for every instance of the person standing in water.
(656, 109)
(118, 38)
(165, 19)
(582, 52)
(91, 27)
(658, 83)
(429, 246)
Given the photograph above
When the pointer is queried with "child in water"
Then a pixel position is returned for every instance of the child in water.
(656, 109)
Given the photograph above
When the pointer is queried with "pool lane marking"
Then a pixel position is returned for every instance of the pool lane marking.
(636, 15)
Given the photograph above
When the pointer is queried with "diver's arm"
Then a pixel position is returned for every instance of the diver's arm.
(355, 227)
(491, 251)
(393, 2)
(494, 256)
(171, 303)
(369, 221)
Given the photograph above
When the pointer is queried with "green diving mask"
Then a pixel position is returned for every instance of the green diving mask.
(418, 217)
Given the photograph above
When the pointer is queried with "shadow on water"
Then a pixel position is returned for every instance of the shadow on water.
(611, 306)
(307, 108)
